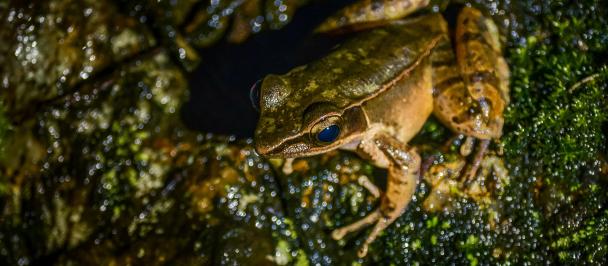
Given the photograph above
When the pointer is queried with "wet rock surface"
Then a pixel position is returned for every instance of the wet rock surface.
(97, 166)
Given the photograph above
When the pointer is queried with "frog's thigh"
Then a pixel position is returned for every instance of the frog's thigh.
(361, 13)
(471, 89)
(479, 51)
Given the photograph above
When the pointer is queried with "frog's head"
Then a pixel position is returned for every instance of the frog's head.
(296, 122)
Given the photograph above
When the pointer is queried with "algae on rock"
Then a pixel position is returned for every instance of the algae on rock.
(98, 168)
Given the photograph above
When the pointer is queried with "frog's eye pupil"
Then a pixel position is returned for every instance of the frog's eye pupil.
(254, 95)
(329, 134)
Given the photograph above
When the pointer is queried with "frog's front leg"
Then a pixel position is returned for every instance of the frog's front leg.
(471, 87)
(403, 166)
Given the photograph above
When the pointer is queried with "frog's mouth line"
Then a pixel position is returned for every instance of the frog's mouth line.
(276, 149)
(295, 148)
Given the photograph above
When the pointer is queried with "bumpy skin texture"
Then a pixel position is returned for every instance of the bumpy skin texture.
(380, 87)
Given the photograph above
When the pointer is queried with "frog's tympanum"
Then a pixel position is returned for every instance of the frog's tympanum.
(374, 92)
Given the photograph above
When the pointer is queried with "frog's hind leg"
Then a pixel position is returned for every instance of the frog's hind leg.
(403, 171)
(366, 13)
(471, 89)
(480, 59)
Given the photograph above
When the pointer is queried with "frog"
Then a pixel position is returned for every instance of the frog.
(374, 92)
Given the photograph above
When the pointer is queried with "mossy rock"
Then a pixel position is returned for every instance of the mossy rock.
(97, 168)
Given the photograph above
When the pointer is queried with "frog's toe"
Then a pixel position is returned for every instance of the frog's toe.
(482, 148)
(467, 147)
(288, 166)
(339, 233)
(367, 184)
(381, 224)
(363, 251)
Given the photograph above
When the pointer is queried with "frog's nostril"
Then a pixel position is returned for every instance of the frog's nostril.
(254, 95)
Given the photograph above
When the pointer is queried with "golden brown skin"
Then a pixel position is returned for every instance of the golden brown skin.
(379, 88)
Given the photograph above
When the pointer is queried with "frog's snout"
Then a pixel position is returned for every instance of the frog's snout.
(264, 147)
(261, 150)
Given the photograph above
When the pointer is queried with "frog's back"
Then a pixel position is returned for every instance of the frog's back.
(366, 65)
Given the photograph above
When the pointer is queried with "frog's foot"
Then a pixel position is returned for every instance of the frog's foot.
(381, 223)
(482, 149)
(339, 233)
(382, 219)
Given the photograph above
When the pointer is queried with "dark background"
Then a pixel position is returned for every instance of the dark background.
(219, 101)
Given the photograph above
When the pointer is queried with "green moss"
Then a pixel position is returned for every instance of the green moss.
(555, 127)
(559, 102)
(587, 242)
(115, 160)
(554, 143)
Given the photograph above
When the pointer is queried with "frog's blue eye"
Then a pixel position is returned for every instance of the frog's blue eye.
(254, 95)
(329, 134)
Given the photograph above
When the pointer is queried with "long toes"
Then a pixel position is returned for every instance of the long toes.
(482, 149)
(378, 228)
(339, 233)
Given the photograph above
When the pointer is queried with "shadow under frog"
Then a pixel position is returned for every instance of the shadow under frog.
(373, 93)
